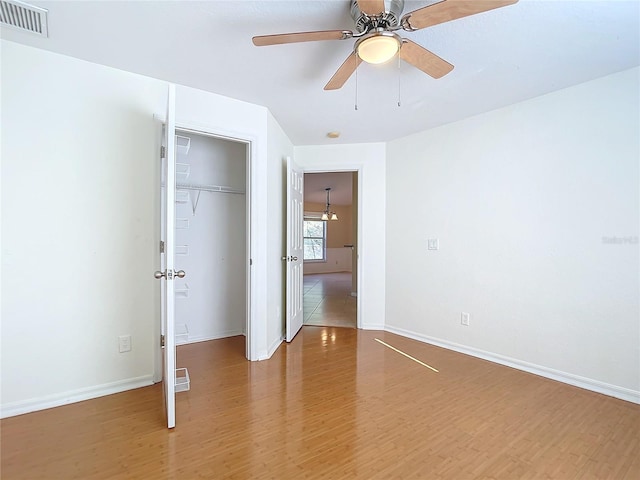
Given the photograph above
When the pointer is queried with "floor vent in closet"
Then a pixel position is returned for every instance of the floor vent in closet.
(24, 17)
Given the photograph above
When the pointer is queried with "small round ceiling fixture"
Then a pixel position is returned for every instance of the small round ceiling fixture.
(333, 134)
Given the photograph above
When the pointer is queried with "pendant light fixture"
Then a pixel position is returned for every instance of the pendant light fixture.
(328, 215)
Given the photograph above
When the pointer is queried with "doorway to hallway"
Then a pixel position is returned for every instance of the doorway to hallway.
(330, 249)
(328, 301)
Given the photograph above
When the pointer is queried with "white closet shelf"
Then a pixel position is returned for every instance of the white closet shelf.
(183, 144)
(182, 291)
(183, 170)
(182, 333)
(182, 380)
(182, 196)
(182, 223)
(208, 188)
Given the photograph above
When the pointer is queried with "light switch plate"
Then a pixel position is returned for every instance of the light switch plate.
(433, 244)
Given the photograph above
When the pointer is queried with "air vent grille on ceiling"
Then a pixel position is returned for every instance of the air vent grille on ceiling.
(24, 17)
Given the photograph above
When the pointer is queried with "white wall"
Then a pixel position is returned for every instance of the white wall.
(338, 260)
(212, 299)
(80, 222)
(279, 147)
(80, 151)
(370, 159)
(521, 199)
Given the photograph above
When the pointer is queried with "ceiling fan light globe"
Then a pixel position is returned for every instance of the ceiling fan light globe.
(378, 49)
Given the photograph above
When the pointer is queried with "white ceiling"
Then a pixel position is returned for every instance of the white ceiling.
(501, 57)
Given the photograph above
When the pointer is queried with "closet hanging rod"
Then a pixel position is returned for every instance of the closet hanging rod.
(209, 188)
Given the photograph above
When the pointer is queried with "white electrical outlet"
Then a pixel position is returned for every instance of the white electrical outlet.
(464, 319)
(433, 244)
(124, 342)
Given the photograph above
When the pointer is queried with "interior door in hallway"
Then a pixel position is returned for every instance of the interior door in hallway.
(295, 251)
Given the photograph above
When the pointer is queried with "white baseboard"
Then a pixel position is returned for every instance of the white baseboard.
(206, 338)
(274, 346)
(73, 396)
(564, 377)
(373, 326)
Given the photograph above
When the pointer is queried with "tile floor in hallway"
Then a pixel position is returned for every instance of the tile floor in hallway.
(328, 300)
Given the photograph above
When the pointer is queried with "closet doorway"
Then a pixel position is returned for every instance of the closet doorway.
(211, 237)
(330, 249)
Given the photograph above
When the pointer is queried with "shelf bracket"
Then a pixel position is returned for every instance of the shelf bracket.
(195, 201)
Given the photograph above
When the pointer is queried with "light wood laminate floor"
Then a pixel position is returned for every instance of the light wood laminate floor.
(328, 301)
(334, 404)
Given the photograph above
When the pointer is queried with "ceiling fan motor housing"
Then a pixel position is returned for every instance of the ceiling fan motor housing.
(390, 17)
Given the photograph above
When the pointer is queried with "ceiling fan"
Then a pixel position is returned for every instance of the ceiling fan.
(376, 39)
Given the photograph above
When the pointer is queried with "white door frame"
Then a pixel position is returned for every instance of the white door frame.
(251, 350)
(355, 167)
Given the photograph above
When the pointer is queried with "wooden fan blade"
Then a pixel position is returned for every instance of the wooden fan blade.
(278, 39)
(344, 72)
(448, 10)
(420, 57)
(371, 7)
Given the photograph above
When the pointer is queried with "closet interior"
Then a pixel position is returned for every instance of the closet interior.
(210, 240)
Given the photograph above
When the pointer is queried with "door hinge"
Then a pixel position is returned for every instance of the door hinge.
(161, 246)
(163, 151)
(162, 340)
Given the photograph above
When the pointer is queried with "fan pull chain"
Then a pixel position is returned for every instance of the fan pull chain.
(355, 59)
(399, 76)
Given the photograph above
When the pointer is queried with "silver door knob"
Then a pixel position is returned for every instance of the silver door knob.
(158, 274)
(180, 274)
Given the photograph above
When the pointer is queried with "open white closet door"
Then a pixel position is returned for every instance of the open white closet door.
(295, 252)
(166, 274)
